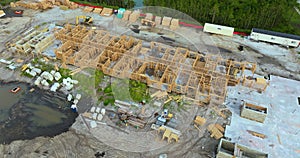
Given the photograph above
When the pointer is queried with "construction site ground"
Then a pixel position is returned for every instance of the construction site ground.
(81, 141)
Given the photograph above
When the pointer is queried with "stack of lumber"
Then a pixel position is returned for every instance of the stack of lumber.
(134, 16)
(149, 16)
(44, 4)
(106, 12)
(200, 120)
(216, 130)
(88, 9)
(166, 21)
(126, 15)
(174, 24)
(157, 20)
(97, 10)
(136, 122)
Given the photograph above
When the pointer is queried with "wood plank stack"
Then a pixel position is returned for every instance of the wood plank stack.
(106, 12)
(97, 10)
(88, 9)
(158, 20)
(215, 131)
(166, 21)
(45, 4)
(134, 16)
(200, 120)
(149, 16)
(126, 15)
(174, 24)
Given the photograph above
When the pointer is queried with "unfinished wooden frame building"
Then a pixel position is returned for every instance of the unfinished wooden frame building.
(201, 78)
(34, 42)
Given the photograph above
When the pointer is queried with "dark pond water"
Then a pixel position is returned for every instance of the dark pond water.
(26, 115)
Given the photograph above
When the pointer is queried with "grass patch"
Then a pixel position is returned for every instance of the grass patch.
(23, 73)
(138, 91)
(65, 73)
(99, 75)
(109, 101)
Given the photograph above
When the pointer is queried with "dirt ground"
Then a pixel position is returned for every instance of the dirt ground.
(80, 142)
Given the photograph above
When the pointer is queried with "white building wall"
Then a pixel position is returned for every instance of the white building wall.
(274, 39)
(218, 29)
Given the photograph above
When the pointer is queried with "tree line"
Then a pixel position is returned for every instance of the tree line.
(244, 14)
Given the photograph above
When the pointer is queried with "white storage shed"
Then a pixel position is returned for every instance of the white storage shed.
(275, 37)
(218, 29)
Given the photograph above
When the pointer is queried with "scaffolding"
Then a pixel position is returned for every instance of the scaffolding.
(201, 78)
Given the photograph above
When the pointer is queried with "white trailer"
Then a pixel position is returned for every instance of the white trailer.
(218, 29)
(275, 37)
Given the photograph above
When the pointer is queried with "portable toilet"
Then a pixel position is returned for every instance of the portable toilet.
(120, 13)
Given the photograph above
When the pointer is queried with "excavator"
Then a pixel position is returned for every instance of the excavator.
(86, 19)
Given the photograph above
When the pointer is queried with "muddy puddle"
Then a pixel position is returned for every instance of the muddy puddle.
(28, 114)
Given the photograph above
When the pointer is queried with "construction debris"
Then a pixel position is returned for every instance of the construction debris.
(256, 134)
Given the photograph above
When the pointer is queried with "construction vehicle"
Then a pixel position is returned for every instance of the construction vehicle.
(148, 22)
(86, 19)
(164, 117)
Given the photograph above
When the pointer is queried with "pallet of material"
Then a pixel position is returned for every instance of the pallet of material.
(149, 16)
(166, 21)
(73, 5)
(126, 15)
(135, 123)
(88, 9)
(12, 5)
(134, 16)
(97, 10)
(219, 127)
(214, 131)
(157, 20)
(106, 12)
(200, 120)
(174, 24)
